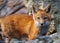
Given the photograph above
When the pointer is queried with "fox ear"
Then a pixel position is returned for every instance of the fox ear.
(34, 9)
(48, 8)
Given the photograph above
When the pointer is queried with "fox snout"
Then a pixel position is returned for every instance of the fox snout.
(45, 23)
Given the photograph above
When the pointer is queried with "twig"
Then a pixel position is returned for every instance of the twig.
(14, 10)
(3, 5)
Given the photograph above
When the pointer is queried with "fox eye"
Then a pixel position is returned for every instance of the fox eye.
(38, 17)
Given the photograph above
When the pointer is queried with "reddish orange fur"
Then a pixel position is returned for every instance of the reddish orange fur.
(20, 25)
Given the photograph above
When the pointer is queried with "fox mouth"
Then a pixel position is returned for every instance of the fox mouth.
(43, 28)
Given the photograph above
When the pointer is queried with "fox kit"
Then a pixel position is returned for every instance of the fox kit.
(22, 26)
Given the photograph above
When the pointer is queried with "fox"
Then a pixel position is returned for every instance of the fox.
(23, 26)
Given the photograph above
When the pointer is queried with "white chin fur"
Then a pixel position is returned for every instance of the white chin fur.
(37, 23)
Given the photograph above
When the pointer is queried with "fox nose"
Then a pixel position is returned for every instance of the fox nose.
(41, 24)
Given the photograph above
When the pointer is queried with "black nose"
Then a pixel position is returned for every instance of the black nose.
(41, 24)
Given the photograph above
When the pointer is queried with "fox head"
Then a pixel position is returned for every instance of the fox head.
(42, 17)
